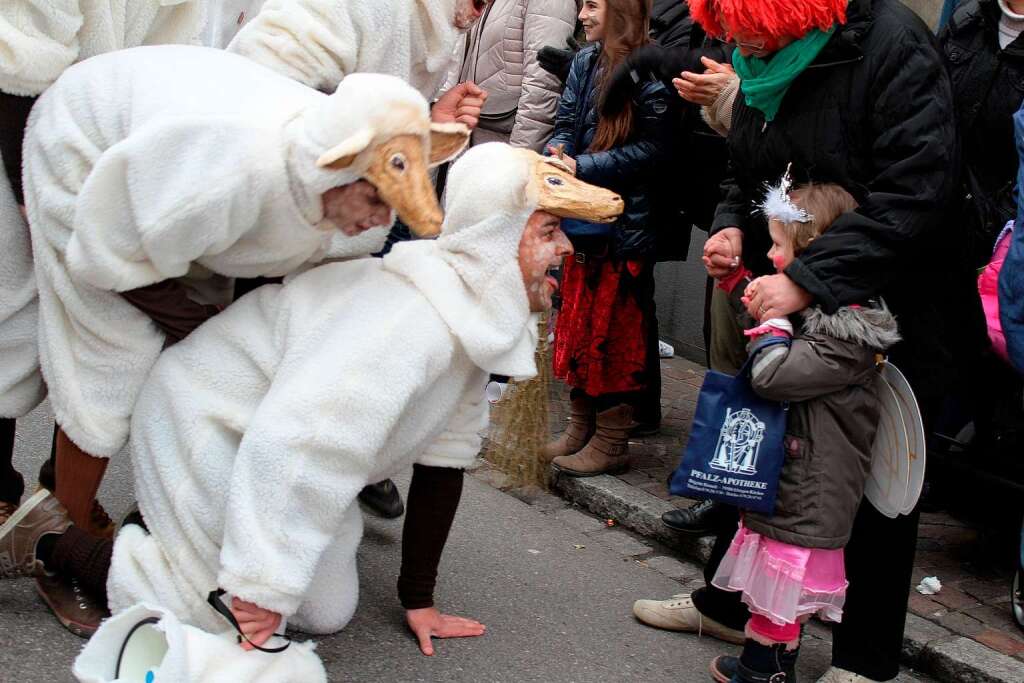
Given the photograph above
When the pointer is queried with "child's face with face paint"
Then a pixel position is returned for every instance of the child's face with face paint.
(781, 253)
(542, 247)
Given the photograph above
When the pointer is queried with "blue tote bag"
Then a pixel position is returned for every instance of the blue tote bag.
(735, 452)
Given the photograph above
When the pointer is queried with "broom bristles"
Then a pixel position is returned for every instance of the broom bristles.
(519, 424)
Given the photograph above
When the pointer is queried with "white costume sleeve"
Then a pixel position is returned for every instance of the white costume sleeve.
(308, 451)
(311, 41)
(39, 40)
(142, 218)
(460, 443)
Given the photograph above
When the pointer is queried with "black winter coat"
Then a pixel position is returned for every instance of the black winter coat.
(628, 168)
(988, 87)
(873, 113)
(691, 190)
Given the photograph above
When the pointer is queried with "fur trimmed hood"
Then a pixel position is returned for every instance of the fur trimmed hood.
(873, 326)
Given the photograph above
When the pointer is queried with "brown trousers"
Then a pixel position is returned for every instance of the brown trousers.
(79, 474)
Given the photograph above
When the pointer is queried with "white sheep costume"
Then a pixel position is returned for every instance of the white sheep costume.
(21, 384)
(42, 38)
(319, 42)
(161, 162)
(253, 436)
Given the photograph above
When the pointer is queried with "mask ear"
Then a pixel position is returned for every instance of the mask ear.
(344, 153)
(446, 141)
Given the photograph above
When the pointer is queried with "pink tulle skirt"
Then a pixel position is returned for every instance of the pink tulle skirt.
(783, 582)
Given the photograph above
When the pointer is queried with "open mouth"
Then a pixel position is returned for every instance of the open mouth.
(551, 280)
(479, 5)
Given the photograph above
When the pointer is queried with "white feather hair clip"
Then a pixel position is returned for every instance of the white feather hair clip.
(779, 207)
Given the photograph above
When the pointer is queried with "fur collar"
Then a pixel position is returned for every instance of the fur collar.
(873, 326)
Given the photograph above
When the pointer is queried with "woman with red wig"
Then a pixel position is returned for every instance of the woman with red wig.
(853, 93)
(605, 338)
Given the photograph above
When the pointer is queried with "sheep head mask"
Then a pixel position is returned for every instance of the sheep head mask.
(378, 128)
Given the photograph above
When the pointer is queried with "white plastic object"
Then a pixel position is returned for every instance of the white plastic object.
(496, 391)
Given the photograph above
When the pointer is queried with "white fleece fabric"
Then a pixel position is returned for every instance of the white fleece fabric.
(146, 164)
(253, 436)
(41, 38)
(195, 656)
(319, 42)
(21, 384)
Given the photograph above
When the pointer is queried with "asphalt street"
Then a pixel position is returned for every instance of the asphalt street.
(556, 602)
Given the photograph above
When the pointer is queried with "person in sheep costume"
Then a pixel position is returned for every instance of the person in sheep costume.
(318, 42)
(152, 165)
(252, 437)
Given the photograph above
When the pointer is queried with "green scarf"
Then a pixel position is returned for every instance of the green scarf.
(764, 82)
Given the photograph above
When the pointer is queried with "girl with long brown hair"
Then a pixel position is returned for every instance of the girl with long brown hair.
(606, 334)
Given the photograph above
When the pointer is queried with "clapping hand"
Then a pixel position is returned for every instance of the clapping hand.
(704, 89)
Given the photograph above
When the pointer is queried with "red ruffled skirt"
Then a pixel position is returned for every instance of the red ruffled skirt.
(602, 326)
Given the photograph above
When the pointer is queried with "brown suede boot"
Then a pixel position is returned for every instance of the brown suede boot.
(576, 435)
(606, 452)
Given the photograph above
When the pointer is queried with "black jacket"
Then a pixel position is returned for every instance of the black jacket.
(628, 168)
(692, 190)
(873, 113)
(988, 87)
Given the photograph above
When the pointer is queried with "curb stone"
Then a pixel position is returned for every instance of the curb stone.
(927, 647)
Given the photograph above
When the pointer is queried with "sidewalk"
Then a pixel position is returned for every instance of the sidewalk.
(964, 633)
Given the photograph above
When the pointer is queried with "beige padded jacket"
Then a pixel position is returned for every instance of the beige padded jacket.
(501, 57)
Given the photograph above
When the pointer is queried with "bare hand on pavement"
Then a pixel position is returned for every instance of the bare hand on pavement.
(429, 622)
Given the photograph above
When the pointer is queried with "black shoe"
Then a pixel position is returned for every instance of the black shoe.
(766, 664)
(700, 519)
(723, 668)
(383, 499)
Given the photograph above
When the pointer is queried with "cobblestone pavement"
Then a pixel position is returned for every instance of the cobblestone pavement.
(970, 558)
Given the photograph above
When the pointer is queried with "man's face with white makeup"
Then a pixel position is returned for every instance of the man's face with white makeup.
(542, 247)
(468, 11)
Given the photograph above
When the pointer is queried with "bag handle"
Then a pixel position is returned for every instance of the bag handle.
(748, 364)
(215, 601)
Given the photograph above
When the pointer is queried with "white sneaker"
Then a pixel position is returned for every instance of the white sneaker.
(679, 614)
(837, 675)
(665, 350)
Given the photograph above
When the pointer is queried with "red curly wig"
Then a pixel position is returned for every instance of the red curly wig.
(775, 18)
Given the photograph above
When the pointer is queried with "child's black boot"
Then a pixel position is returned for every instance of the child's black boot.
(758, 664)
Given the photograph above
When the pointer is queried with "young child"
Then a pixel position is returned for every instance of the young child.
(789, 566)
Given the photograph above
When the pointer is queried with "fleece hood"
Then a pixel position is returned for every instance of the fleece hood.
(364, 110)
(471, 272)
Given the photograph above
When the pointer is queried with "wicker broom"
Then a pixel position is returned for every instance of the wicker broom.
(519, 423)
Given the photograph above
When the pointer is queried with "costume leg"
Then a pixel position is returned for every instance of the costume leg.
(78, 479)
(334, 592)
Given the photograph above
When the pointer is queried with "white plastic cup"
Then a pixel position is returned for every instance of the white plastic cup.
(496, 391)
